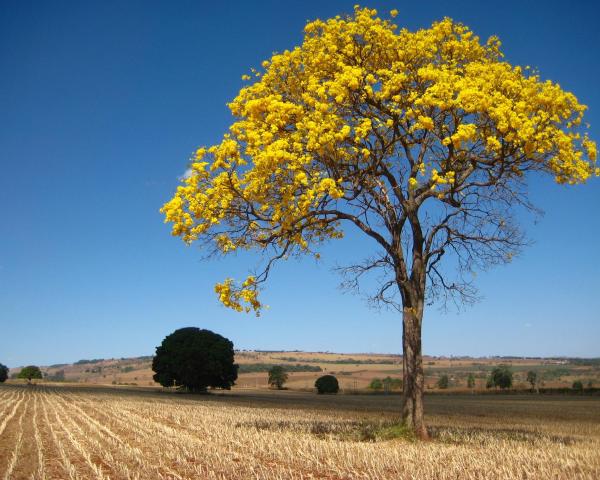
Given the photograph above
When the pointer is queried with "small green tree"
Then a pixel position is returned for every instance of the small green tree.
(578, 385)
(327, 384)
(390, 383)
(3, 373)
(471, 381)
(501, 376)
(443, 382)
(277, 377)
(532, 379)
(30, 372)
(376, 384)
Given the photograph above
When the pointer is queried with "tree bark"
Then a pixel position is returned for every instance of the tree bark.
(414, 379)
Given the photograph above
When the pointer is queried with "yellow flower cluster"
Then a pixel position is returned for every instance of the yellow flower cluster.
(234, 298)
(320, 117)
(466, 132)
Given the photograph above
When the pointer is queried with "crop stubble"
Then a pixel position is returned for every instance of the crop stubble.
(78, 433)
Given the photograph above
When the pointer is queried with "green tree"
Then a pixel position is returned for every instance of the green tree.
(532, 378)
(376, 384)
(423, 142)
(195, 359)
(577, 385)
(327, 384)
(390, 383)
(3, 373)
(277, 376)
(443, 382)
(501, 376)
(30, 372)
(471, 381)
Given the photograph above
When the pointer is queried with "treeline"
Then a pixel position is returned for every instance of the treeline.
(84, 361)
(586, 362)
(265, 367)
(344, 361)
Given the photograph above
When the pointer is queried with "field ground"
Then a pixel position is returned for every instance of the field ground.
(354, 371)
(79, 432)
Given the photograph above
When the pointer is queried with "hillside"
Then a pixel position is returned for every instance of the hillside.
(354, 371)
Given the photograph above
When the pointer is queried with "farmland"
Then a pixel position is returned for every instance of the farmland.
(81, 432)
(354, 371)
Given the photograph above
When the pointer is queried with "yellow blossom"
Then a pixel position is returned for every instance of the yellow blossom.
(342, 114)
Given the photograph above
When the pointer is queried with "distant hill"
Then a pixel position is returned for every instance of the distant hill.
(354, 371)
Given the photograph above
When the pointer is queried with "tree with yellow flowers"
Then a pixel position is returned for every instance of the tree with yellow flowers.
(423, 141)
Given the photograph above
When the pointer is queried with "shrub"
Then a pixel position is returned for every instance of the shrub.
(443, 382)
(327, 384)
(195, 359)
(578, 385)
(376, 384)
(3, 373)
(471, 381)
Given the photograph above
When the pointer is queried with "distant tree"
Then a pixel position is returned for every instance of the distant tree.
(195, 359)
(471, 381)
(443, 382)
(532, 379)
(501, 376)
(590, 384)
(3, 373)
(327, 384)
(578, 385)
(30, 372)
(376, 384)
(390, 383)
(277, 377)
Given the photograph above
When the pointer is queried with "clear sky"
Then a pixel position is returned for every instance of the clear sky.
(101, 105)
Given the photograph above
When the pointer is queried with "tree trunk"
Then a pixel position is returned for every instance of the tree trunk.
(414, 379)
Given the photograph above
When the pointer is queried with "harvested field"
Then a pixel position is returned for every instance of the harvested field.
(102, 433)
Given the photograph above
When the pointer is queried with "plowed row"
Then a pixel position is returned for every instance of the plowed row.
(70, 433)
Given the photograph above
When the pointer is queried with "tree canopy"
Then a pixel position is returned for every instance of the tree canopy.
(501, 376)
(362, 120)
(195, 359)
(327, 384)
(277, 376)
(30, 372)
(3, 373)
(423, 141)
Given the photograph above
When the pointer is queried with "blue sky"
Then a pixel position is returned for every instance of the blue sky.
(101, 105)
